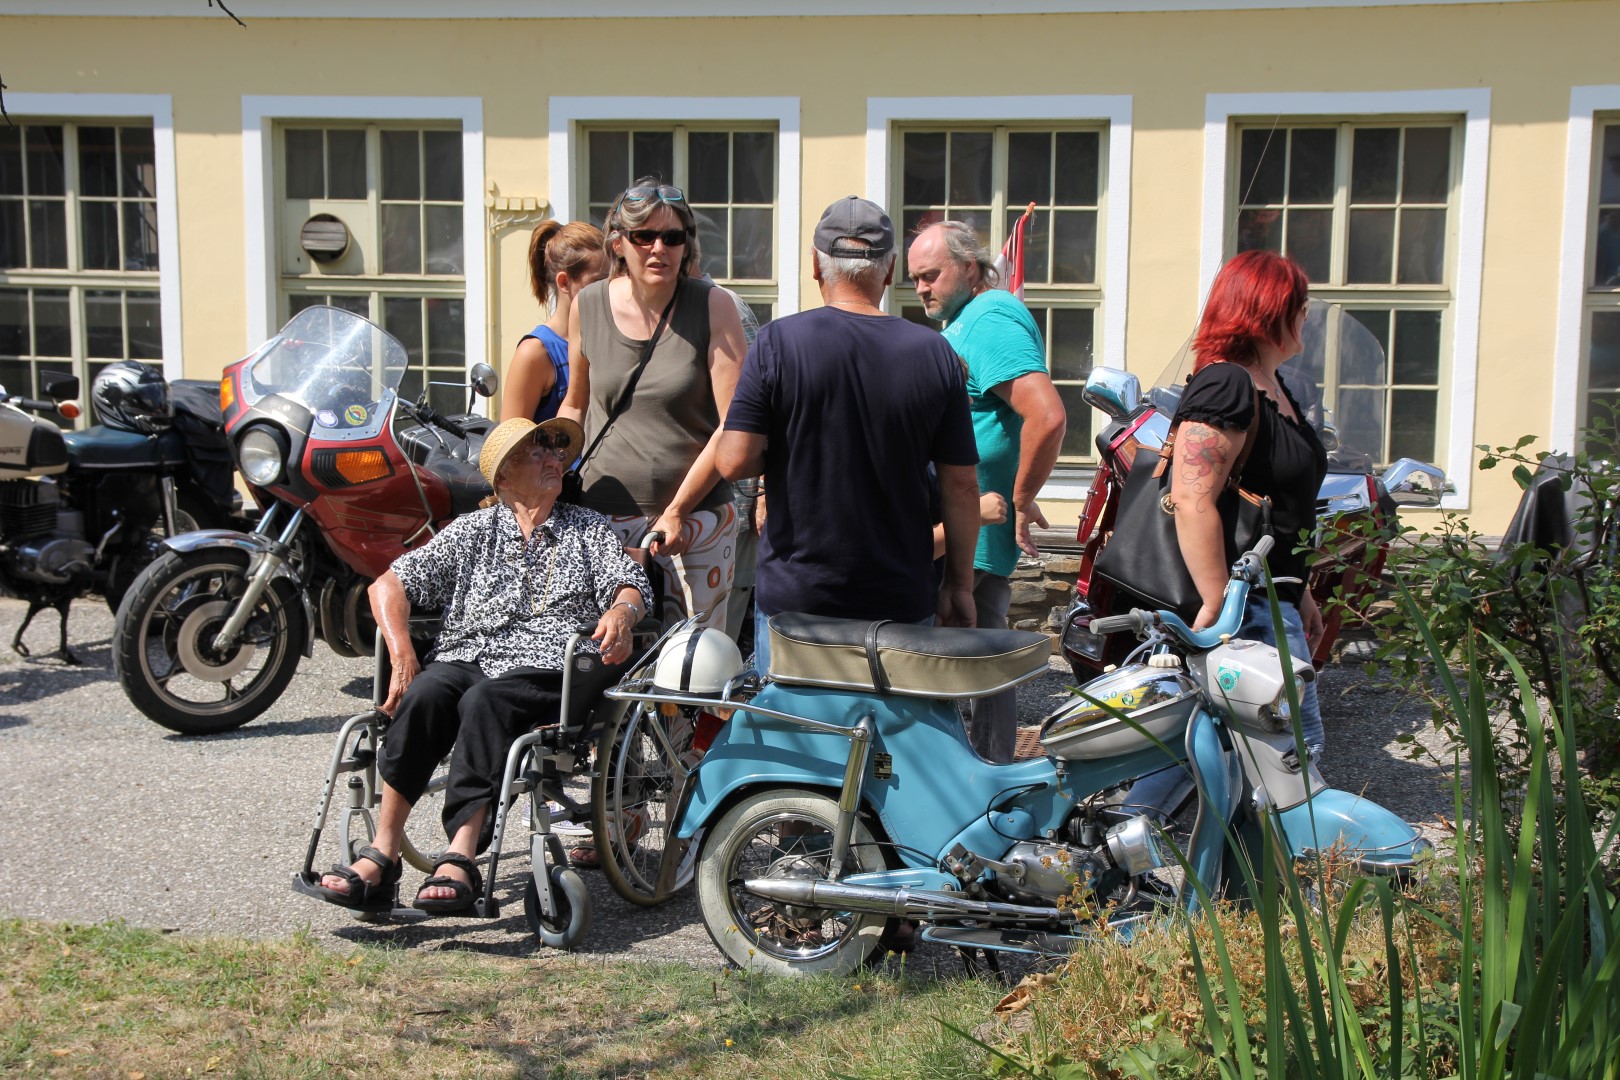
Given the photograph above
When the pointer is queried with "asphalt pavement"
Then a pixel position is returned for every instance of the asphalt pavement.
(106, 815)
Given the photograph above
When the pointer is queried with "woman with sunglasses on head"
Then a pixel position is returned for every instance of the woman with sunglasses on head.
(654, 358)
(563, 259)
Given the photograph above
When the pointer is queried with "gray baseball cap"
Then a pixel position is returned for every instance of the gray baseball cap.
(852, 218)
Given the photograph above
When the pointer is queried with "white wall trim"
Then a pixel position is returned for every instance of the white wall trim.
(653, 9)
(259, 113)
(1584, 101)
(569, 113)
(882, 114)
(1475, 107)
(160, 107)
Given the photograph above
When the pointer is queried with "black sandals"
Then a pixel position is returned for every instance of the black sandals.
(363, 895)
(466, 894)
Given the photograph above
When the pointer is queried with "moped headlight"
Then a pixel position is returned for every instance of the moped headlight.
(260, 457)
(1078, 638)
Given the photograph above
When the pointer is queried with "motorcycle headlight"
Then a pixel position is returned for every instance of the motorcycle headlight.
(260, 456)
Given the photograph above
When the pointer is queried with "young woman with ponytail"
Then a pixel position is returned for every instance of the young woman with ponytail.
(563, 259)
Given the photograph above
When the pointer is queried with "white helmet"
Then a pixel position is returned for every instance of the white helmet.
(697, 660)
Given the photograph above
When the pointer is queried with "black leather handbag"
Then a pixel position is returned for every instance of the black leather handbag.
(1142, 559)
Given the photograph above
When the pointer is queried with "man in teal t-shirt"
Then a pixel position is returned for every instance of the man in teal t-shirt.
(1018, 423)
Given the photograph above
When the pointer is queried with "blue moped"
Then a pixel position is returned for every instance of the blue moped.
(842, 792)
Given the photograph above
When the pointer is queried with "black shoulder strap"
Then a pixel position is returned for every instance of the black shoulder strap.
(635, 376)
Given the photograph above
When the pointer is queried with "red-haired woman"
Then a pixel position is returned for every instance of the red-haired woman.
(563, 259)
(1252, 323)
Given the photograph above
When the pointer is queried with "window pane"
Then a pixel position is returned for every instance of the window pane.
(402, 317)
(14, 326)
(1412, 419)
(140, 236)
(11, 177)
(1029, 168)
(401, 165)
(1417, 347)
(1036, 247)
(299, 301)
(402, 238)
(1259, 230)
(978, 220)
(446, 332)
(99, 223)
(753, 167)
(1310, 241)
(1605, 267)
(45, 165)
(707, 168)
(16, 376)
(1423, 247)
(345, 164)
(441, 152)
(652, 153)
(305, 169)
(762, 313)
(1372, 237)
(1373, 165)
(1377, 323)
(714, 237)
(47, 221)
(1366, 367)
(911, 223)
(140, 162)
(924, 182)
(1314, 152)
(13, 243)
(1077, 436)
(1603, 364)
(360, 305)
(1078, 162)
(753, 254)
(970, 168)
(444, 248)
(1074, 246)
(609, 164)
(1608, 175)
(1426, 176)
(145, 325)
(1261, 167)
(104, 323)
(98, 161)
(1072, 341)
(1361, 420)
(52, 331)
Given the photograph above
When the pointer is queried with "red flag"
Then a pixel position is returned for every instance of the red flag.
(1010, 263)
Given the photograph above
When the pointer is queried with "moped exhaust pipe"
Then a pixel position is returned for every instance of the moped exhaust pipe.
(902, 901)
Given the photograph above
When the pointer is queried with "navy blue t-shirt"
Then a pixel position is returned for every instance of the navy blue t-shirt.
(853, 408)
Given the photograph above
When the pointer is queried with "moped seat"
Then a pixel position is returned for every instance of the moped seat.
(901, 658)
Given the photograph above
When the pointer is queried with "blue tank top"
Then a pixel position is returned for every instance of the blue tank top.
(557, 352)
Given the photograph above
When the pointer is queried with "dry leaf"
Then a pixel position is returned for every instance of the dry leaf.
(1024, 993)
(59, 1052)
(137, 1076)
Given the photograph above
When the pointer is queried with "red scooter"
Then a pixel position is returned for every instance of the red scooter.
(1356, 507)
(347, 476)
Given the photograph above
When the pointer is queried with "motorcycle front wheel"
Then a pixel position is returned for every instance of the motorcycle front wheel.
(163, 649)
(783, 834)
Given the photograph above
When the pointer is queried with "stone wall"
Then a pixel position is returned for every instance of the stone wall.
(1043, 587)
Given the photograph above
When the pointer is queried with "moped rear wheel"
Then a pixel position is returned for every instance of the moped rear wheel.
(784, 833)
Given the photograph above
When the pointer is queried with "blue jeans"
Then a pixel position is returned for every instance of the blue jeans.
(1257, 627)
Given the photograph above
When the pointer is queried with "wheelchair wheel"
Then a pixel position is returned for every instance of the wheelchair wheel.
(573, 920)
(639, 758)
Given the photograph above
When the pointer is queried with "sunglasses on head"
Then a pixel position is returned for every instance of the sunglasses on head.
(551, 440)
(667, 192)
(646, 237)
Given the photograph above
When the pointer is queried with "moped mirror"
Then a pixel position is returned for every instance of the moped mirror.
(483, 380)
(58, 386)
(1414, 483)
(1112, 391)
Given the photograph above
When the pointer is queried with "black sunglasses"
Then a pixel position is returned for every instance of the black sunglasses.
(551, 440)
(644, 237)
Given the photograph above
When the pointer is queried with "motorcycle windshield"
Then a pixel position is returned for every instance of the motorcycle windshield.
(341, 367)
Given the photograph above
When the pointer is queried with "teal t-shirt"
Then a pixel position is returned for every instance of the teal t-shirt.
(996, 337)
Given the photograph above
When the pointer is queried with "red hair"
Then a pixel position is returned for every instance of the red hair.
(1251, 301)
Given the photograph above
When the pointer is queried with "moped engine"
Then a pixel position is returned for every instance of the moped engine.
(40, 539)
(1041, 872)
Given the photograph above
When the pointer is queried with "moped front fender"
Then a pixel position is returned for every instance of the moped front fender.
(1373, 839)
(253, 544)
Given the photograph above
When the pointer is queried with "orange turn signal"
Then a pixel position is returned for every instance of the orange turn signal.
(69, 409)
(358, 466)
(227, 394)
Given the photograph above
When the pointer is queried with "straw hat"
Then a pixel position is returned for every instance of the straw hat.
(516, 433)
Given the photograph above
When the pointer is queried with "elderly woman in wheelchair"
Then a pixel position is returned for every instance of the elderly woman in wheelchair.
(514, 581)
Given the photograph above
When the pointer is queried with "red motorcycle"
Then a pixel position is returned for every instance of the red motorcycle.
(347, 476)
(1356, 508)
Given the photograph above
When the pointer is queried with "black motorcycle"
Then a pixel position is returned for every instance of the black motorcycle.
(86, 511)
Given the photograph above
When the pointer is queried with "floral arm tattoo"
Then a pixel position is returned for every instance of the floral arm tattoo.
(1203, 459)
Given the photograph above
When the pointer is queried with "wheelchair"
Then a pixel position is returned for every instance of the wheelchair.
(638, 759)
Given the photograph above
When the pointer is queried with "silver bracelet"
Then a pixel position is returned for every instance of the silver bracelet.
(635, 612)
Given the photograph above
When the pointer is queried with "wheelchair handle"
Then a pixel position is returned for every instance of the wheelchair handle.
(649, 538)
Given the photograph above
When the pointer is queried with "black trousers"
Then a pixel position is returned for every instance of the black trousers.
(453, 708)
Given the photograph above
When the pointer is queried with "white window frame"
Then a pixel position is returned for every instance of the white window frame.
(1584, 103)
(91, 108)
(570, 115)
(884, 119)
(1474, 105)
(260, 114)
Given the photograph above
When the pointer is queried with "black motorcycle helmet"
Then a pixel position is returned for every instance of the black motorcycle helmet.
(131, 396)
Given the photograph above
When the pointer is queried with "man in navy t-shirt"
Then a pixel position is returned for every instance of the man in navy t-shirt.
(843, 408)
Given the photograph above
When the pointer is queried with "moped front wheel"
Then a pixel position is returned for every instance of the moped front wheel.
(163, 643)
(783, 834)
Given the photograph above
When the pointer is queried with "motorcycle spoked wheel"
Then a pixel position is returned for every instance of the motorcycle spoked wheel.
(163, 643)
(783, 833)
(638, 753)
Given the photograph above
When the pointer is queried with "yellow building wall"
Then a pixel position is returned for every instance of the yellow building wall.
(1527, 54)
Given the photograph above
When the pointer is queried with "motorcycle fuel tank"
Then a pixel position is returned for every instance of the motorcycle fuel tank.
(30, 445)
(1161, 700)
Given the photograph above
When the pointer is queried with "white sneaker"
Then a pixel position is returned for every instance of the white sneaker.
(561, 824)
